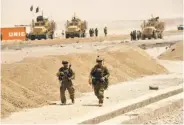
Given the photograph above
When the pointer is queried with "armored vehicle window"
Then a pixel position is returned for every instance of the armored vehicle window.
(36, 24)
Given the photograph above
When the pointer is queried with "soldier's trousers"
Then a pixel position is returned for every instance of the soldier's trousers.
(66, 86)
(99, 91)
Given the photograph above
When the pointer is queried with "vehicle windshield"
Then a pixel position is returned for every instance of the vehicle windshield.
(39, 24)
(73, 24)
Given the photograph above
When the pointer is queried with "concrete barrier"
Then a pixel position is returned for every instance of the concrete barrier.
(155, 110)
(127, 106)
(145, 114)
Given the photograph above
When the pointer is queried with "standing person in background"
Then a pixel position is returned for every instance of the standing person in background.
(96, 32)
(105, 31)
(131, 35)
(90, 34)
(138, 34)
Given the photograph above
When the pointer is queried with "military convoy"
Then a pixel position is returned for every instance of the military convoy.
(153, 28)
(75, 28)
(42, 28)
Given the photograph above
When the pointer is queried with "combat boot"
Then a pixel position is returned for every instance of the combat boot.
(73, 101)
(63, 102)
(100, 103)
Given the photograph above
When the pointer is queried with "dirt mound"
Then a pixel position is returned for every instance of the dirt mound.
(175, 52)
(33, 81)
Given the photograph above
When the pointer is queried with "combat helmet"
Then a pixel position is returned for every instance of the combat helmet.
(99, 59)
(64, 62)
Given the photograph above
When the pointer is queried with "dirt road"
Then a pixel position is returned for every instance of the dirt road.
(23, 44)
(13, 55)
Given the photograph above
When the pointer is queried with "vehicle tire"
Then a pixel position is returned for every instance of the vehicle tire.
(32, 37)
(39, 38)
(67, 36)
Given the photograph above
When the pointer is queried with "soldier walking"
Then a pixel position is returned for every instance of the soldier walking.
(65, 76)
(99, 79)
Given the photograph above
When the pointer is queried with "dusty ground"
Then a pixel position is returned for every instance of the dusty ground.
(174, 52)
(174, 117)
(77, 40)
(32, 82)
(86, 106)
(68, 41)
(15, 53)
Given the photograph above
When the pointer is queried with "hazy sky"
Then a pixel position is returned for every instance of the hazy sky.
(18, 11)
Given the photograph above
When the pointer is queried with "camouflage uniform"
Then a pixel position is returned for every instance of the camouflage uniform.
(65, 76)
(99, 75)
(90, 32)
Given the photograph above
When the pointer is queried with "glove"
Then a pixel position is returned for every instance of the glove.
(93, 78)
(70, 78)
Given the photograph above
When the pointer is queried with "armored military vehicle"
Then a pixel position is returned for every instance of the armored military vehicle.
(153, 28)
(75, 28)
(42, 28)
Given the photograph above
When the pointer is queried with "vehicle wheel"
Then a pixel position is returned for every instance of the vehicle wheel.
(66, 36)
(32, 37)
(39, 38)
